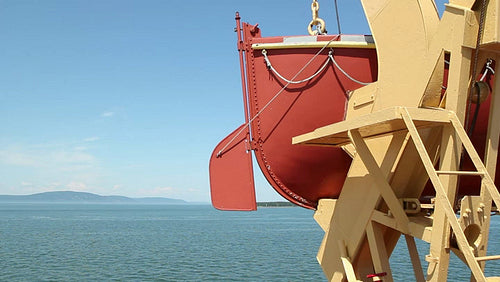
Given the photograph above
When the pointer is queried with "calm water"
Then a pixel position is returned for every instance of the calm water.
(43, 242)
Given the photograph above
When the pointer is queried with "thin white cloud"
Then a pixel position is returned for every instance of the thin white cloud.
(91, 139)
(54, 185)
(107, 114)
(164, 189)
(19, 158)
(65, 157)
(77, 186)
(54, 159)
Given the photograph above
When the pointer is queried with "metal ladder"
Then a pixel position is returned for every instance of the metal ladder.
(441, 197)
(386, 122)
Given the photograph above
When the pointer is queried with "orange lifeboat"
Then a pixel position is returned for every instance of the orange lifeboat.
(291, 85)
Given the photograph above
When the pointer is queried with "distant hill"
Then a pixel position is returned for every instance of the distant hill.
(83, 197)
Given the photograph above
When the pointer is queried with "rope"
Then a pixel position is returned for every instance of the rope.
(487, 68)
(330, 58)
(344, 72)
(270, 66)
(275, 96)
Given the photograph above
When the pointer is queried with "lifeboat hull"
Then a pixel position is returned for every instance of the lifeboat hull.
(279, 110)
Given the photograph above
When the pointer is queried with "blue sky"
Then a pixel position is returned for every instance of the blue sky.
(129, 97)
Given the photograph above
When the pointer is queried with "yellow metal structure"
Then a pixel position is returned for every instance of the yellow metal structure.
(397, 129)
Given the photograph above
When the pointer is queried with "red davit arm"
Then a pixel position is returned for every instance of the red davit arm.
(231, 172)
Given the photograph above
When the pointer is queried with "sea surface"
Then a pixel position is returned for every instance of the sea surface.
(101, 242)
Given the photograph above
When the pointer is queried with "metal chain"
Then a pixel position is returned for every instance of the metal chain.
(316, 21)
